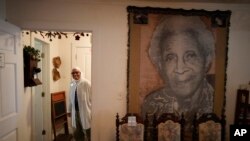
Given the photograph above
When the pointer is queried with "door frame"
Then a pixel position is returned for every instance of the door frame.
(46, 101)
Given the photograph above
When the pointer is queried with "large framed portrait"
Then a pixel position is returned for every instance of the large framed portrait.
(177, 61)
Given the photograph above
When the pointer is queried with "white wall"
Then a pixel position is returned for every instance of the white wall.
(108, 22)
(238, 56)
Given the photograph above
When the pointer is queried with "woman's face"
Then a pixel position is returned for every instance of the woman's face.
(183, 65)
(76, 74)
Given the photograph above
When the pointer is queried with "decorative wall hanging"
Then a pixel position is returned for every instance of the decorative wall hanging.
(177, 61)
(58, 35)
(56, 63)
(56, 74)
(31, 57)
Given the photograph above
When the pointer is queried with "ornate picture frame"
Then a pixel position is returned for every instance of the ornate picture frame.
(177, 61)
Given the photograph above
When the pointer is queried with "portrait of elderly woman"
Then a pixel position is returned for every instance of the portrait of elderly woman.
(182, 50)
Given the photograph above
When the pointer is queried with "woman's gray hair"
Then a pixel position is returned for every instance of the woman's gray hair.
(76, 68)
(176, 24)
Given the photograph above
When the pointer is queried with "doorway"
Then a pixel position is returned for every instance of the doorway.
(54, 47)
(40, 96)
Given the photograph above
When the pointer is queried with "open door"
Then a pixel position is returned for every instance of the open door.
(81, 57)
(11, 82)
(41, 97)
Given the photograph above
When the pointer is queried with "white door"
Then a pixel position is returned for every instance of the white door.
(40, 103)
(37, 102)
(81, 57)
(41, 98)
(11, 81)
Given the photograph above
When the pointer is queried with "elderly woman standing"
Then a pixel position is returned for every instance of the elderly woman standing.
(80, 105)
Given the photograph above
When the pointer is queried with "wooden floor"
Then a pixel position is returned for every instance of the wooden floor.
(64, 137)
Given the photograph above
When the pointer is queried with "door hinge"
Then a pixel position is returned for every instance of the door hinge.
(43, 94)
(43, 132)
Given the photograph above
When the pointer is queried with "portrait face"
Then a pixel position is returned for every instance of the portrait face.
(183, 64)
(76, 74)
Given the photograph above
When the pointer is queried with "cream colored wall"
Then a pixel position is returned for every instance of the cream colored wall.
(238, 58)
(108, 22)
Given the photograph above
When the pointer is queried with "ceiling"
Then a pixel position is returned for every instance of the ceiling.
(206, 1)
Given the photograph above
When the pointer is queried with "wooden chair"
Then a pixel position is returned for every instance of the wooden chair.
(169, 127)
(126, 131)
(59, 116)
(209, 127)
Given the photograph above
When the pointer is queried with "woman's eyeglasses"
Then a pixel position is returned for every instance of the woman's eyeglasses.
(75, 72)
